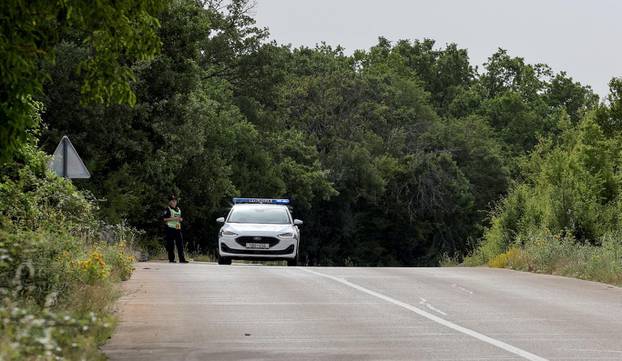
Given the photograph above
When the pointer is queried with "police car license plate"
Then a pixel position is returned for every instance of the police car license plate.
(258, 245)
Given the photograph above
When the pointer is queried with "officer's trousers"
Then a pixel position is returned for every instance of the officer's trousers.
(174, 238)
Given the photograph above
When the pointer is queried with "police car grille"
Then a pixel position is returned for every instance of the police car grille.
(271, 241)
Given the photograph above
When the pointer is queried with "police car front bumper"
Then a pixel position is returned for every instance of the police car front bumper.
(257, 247)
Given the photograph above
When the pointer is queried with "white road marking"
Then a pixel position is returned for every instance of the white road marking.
(435, 309)
(500, 344)
(462, 289)
(426, 304)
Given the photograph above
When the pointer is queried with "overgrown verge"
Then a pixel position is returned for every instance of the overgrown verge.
(565, 216)
(564, 256)
(60, 266)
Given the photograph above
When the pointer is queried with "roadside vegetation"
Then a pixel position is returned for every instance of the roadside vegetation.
(563, 256)
(60, 262)
(564, 216)
(60, 266)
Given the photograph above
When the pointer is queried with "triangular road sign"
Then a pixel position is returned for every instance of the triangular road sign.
(66, 162)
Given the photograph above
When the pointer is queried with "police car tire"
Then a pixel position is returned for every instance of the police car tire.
(223, 260)
(293, 262)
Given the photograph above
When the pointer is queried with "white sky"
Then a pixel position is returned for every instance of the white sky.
(582, 37)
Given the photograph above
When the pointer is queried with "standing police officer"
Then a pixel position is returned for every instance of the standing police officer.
(172, 218)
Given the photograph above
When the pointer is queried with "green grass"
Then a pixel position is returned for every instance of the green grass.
(562, 256)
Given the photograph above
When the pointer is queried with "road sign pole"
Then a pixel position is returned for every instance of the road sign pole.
(64, 158)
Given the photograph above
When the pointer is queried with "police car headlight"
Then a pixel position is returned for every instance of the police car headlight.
(286, 235)
(228, 233)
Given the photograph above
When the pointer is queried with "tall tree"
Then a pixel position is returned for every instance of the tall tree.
(116, 32)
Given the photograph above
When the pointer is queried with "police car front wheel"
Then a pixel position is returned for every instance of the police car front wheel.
(223, 260)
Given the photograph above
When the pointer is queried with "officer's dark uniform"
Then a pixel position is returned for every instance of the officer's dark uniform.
(173, 235)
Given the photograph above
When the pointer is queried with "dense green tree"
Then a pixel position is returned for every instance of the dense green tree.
(609, 116)
(516, 120)
(615, 99)
(522, 101)
(115, 32)
(185, 135)
(574, 98)
(479, 154)
(505, 73)
(394, 155)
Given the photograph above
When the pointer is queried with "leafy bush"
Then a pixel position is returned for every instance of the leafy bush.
(59, 265)
(514, 258)
(32, 333)
(571, 186)
(564, 216)
(93, 269)
(120, 261)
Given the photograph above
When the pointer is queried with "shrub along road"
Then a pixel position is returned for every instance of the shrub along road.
(207, 312)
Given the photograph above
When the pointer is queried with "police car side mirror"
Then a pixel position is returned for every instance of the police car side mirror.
(220, 220)
(297, 222)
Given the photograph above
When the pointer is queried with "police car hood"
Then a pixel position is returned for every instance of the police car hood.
(258, 229)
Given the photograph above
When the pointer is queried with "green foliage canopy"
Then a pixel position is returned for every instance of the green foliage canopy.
(114, 33)
(394, 155)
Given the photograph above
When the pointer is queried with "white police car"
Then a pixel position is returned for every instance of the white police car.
(259, 229)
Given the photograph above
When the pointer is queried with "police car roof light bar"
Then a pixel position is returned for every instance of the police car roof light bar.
(260, 201)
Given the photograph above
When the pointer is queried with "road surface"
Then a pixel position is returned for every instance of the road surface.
(201, 311)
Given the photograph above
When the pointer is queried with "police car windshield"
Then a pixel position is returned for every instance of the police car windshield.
(261, 215)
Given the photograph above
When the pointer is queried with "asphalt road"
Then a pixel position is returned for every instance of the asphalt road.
(202, 311)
